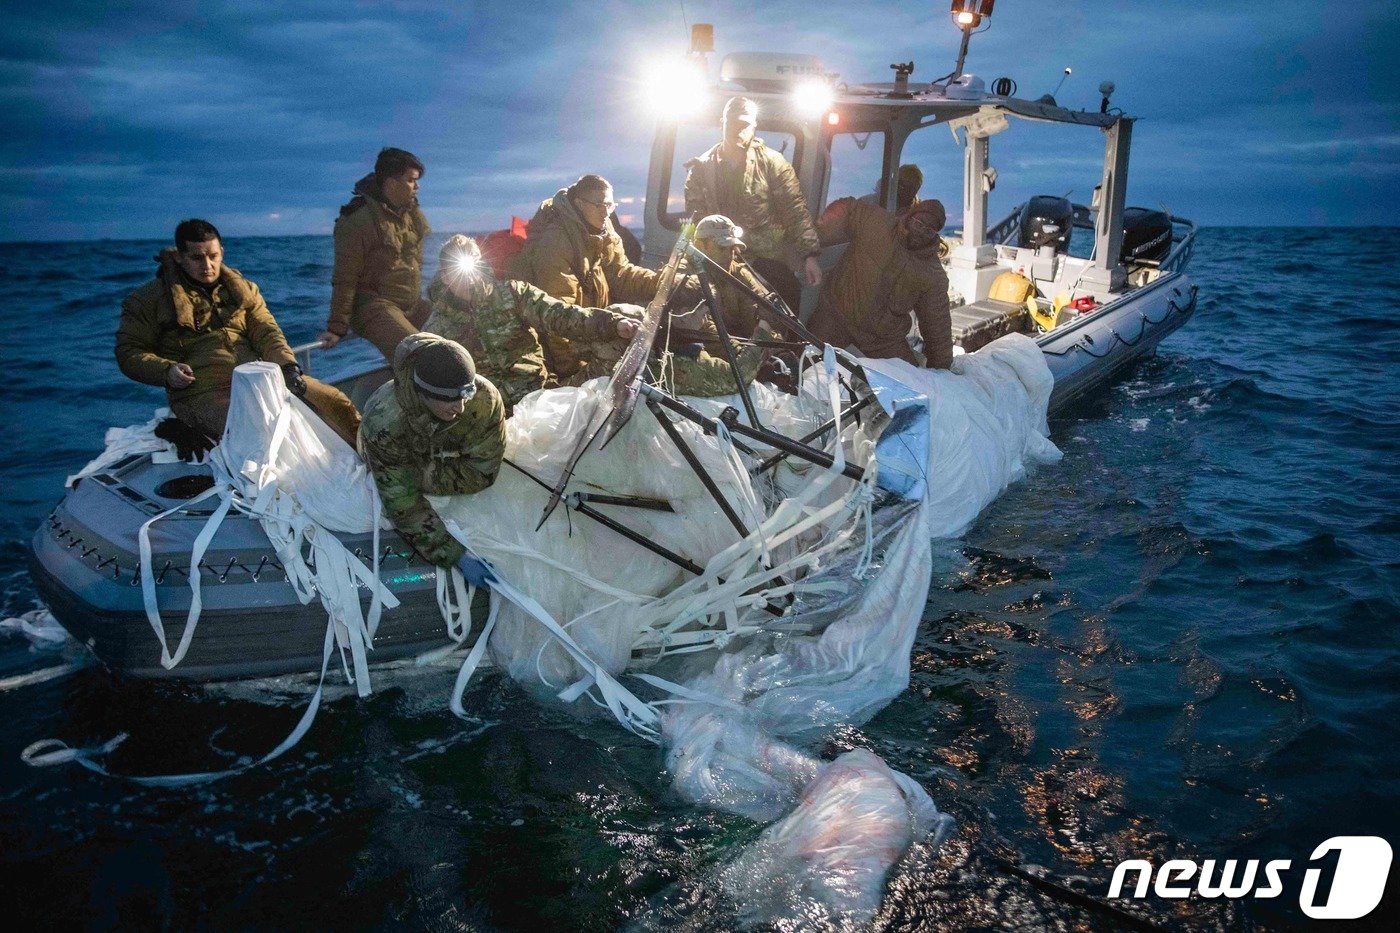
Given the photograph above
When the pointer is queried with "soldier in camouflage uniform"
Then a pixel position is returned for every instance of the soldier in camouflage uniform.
(195, 321)
(743, 179)
(503, 323)
(437, 429)
(378, 276)
(718, 238)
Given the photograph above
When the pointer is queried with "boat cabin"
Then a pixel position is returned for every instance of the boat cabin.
(849, 139)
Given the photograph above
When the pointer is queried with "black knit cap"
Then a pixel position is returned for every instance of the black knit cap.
(444, 370)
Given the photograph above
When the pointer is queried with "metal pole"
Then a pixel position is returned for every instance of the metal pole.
(715, 492)
(962, 54)
(717, 315)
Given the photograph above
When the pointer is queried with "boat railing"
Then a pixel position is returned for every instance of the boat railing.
(1180, 255)
(303, 351)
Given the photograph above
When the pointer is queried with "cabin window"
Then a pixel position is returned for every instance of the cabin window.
(857, 162)
(693, 140)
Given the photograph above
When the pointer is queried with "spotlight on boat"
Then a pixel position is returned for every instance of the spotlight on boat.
(967, 16)
(676, 89)
(812, 97)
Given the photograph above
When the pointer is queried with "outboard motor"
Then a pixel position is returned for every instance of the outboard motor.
(1147, 235)
(1046, 221)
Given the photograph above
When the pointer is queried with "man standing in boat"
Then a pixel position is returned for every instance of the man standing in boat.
(378, 278)
(437, 429)
(195, 321)
(890, 270)
(746, 181)
(573, 253)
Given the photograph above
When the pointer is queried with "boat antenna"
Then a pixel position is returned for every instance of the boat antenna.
(967, 16)
(1050, 98)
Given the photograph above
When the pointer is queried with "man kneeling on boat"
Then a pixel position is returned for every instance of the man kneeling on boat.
(504, 324)
(437, 429)
(195, 321)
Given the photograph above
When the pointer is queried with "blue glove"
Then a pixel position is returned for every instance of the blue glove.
(476, 570)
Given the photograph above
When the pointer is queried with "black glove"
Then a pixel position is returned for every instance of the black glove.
(191, 444)
(296, 382)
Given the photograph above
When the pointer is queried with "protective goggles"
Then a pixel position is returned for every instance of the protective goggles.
(444, 394)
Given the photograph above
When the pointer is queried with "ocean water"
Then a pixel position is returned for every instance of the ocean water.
(1179, 642)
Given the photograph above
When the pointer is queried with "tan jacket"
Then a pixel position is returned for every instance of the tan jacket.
(568, 261)
(378, 254)
(171, 320)
(878, 283)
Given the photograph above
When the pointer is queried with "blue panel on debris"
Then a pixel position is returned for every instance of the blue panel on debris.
(903, 447)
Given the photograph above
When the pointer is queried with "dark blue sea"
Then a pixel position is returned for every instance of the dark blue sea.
(1183, 641)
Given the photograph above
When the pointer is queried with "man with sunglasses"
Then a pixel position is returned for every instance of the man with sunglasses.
(575, 253)
(890, 271)
(437, 429)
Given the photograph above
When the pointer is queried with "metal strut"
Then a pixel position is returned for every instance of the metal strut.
(696, 466)
(777, 458)
(771, 438)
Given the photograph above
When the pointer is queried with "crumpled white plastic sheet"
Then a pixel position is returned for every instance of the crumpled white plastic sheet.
(118, 443)
(848, 821)
(855, 818)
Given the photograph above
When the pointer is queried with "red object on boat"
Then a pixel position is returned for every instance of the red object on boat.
(1084, 303)
(499, 245)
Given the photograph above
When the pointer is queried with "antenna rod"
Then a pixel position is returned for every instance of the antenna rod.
(962, 55)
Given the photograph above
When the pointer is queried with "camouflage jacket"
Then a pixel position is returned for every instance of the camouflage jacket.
(739, 310)
(770, 207)
(877, 277)
(503, 333)
(172, 320)
(412, 454)
(378, 254)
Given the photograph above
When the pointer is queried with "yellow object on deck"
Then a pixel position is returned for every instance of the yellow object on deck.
(1011, 286)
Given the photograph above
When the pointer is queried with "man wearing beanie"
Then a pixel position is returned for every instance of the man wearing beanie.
(744, 180)
(437, 429)
(890, 271)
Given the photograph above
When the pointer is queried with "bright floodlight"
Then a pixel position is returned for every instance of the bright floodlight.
(465, 265)
(675, 89)
(812, 97)
(970, 13)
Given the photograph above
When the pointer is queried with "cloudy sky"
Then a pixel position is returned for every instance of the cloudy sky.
(123, 117)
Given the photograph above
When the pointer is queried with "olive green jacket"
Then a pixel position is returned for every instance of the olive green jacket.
(413, 454)
(503, 333)
(770, 207)
(878, 283)
(378, 254)
(172, 320)
(739, 310)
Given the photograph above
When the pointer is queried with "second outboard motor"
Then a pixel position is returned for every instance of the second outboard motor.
(1147, 235)
(1046, 221)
